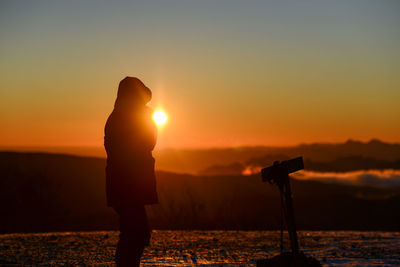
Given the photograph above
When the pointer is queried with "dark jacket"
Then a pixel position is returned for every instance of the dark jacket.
(130, 136)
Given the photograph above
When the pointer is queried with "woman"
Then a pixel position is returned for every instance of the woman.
(130, 137)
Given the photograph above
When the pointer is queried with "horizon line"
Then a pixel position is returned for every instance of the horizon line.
(350, 140)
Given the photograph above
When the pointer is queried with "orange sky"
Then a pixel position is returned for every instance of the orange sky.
(227, 74)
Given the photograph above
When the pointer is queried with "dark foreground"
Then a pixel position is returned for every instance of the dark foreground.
(200, 248)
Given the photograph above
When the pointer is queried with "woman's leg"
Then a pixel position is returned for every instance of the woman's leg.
(134, 235)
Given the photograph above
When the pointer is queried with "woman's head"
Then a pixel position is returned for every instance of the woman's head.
(132, 92)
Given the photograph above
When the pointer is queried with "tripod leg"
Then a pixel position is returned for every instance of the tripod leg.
(290, 216)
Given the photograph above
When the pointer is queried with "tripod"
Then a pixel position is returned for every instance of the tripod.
(278, 174)
(287, 210)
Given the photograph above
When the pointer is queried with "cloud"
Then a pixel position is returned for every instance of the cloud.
(381, 178)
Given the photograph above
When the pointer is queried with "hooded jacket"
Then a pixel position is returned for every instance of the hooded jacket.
(130, 137)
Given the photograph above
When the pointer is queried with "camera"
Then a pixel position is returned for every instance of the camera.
(274, 174)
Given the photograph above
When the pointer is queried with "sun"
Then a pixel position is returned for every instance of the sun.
(160, 117)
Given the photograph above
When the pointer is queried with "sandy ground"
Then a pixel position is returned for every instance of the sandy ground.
(199, 248)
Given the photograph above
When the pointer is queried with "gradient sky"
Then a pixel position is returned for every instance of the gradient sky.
(228, 73)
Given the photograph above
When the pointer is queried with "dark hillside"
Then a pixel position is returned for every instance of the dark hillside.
(50, 192)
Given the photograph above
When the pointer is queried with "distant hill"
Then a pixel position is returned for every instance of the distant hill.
(352, 163)
(201, 161)
(212, 161)
(49, 192)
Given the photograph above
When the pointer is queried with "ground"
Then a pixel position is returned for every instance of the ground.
(200, 248)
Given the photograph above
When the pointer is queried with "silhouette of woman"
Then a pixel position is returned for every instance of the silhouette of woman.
(130, 136)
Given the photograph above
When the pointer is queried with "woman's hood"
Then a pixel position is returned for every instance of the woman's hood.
(132, 92)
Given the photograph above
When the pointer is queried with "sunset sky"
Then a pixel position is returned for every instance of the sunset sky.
(228, 73)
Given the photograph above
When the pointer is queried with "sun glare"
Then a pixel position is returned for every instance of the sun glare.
(160, 117)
